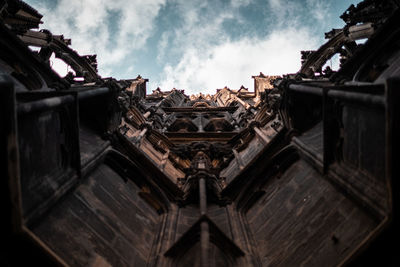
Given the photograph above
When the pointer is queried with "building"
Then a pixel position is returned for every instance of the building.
(299, 172)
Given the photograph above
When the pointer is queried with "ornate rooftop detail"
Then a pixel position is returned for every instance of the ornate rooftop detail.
(298, 171)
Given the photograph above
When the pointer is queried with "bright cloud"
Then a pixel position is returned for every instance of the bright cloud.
(211, 59)
(110, 29)
(233, 63)
(193, 45)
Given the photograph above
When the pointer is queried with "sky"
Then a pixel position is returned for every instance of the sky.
(197, 46)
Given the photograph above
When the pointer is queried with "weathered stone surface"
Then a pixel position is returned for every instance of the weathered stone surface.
(299, 172)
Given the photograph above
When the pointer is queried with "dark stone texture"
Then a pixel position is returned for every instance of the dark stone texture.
(86, 214)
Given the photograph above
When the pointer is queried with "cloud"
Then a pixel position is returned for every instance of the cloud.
(209, 58)
(291, 12)
(233, 63)
(319, 9)
(110, 29)
(192, 45)
(240, 3)
(162, 46)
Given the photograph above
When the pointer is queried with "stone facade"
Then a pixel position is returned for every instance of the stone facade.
(299, 172)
